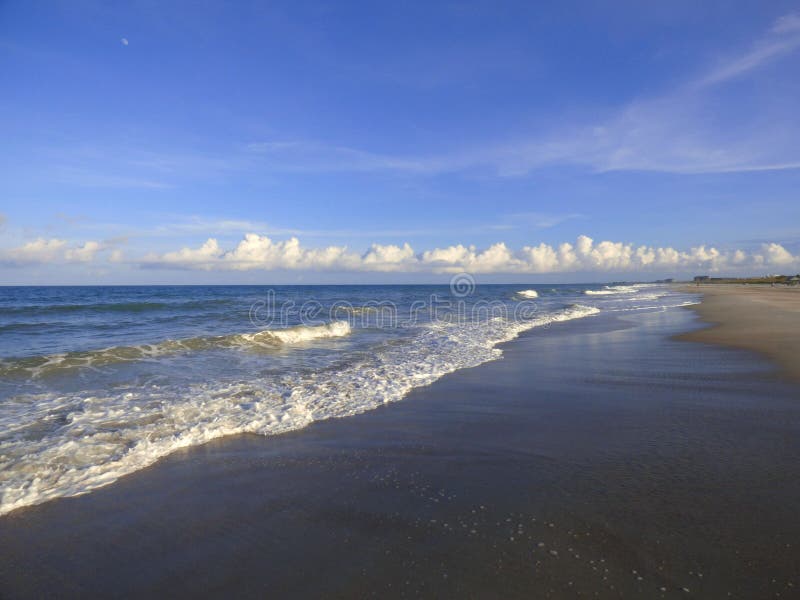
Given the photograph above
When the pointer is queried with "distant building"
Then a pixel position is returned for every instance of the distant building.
(699, 278)
(794, 280)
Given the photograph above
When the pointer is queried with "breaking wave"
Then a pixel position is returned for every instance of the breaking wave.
(65, 445)
(38, 366)
(612, 289)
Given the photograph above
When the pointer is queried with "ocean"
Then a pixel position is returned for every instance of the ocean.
(99, 382)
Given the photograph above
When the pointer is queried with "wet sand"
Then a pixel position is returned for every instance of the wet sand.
(598, 459)
(759, 318)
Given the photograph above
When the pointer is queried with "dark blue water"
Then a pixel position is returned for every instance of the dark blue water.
(97, 382)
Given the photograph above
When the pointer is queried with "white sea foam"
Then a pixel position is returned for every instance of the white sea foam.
(653, 307)
(359, 310)
(613, 289)
(54, 446)
(299, 334)
(528, 294)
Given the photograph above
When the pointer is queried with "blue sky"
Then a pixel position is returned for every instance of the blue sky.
(360, 142)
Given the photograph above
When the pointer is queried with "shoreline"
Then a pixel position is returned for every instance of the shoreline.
(764, 319)
(597, 457)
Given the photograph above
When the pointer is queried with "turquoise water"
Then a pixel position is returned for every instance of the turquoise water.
(98, 382)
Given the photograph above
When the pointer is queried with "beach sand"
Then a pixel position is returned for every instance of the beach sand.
(599, 458)
(759, 318)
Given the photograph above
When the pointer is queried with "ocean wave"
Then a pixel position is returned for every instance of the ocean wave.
(528, 294)
(28, 327)
(654, 307)
(130, 307)
(356, 310)
(54, 446)
(612, 289)
(296, 335)
(38, 366)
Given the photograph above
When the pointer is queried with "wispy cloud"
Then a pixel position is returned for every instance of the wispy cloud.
(699, 126)
(539, 220)
(783, 38)
(303, 155)
(694, 128)
(86, 178)
(172, 225)
(200, 225)
(126, 165)
(680, 131)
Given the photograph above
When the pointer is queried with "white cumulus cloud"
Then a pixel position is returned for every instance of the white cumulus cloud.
(35, 251)
(83, 253)
(258, 252)
(52, 250)
(775, 254)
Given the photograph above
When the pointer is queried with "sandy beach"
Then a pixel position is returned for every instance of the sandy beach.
(760, 318)
(600, 458)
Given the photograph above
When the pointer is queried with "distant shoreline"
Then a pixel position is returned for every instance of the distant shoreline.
(751, 317)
